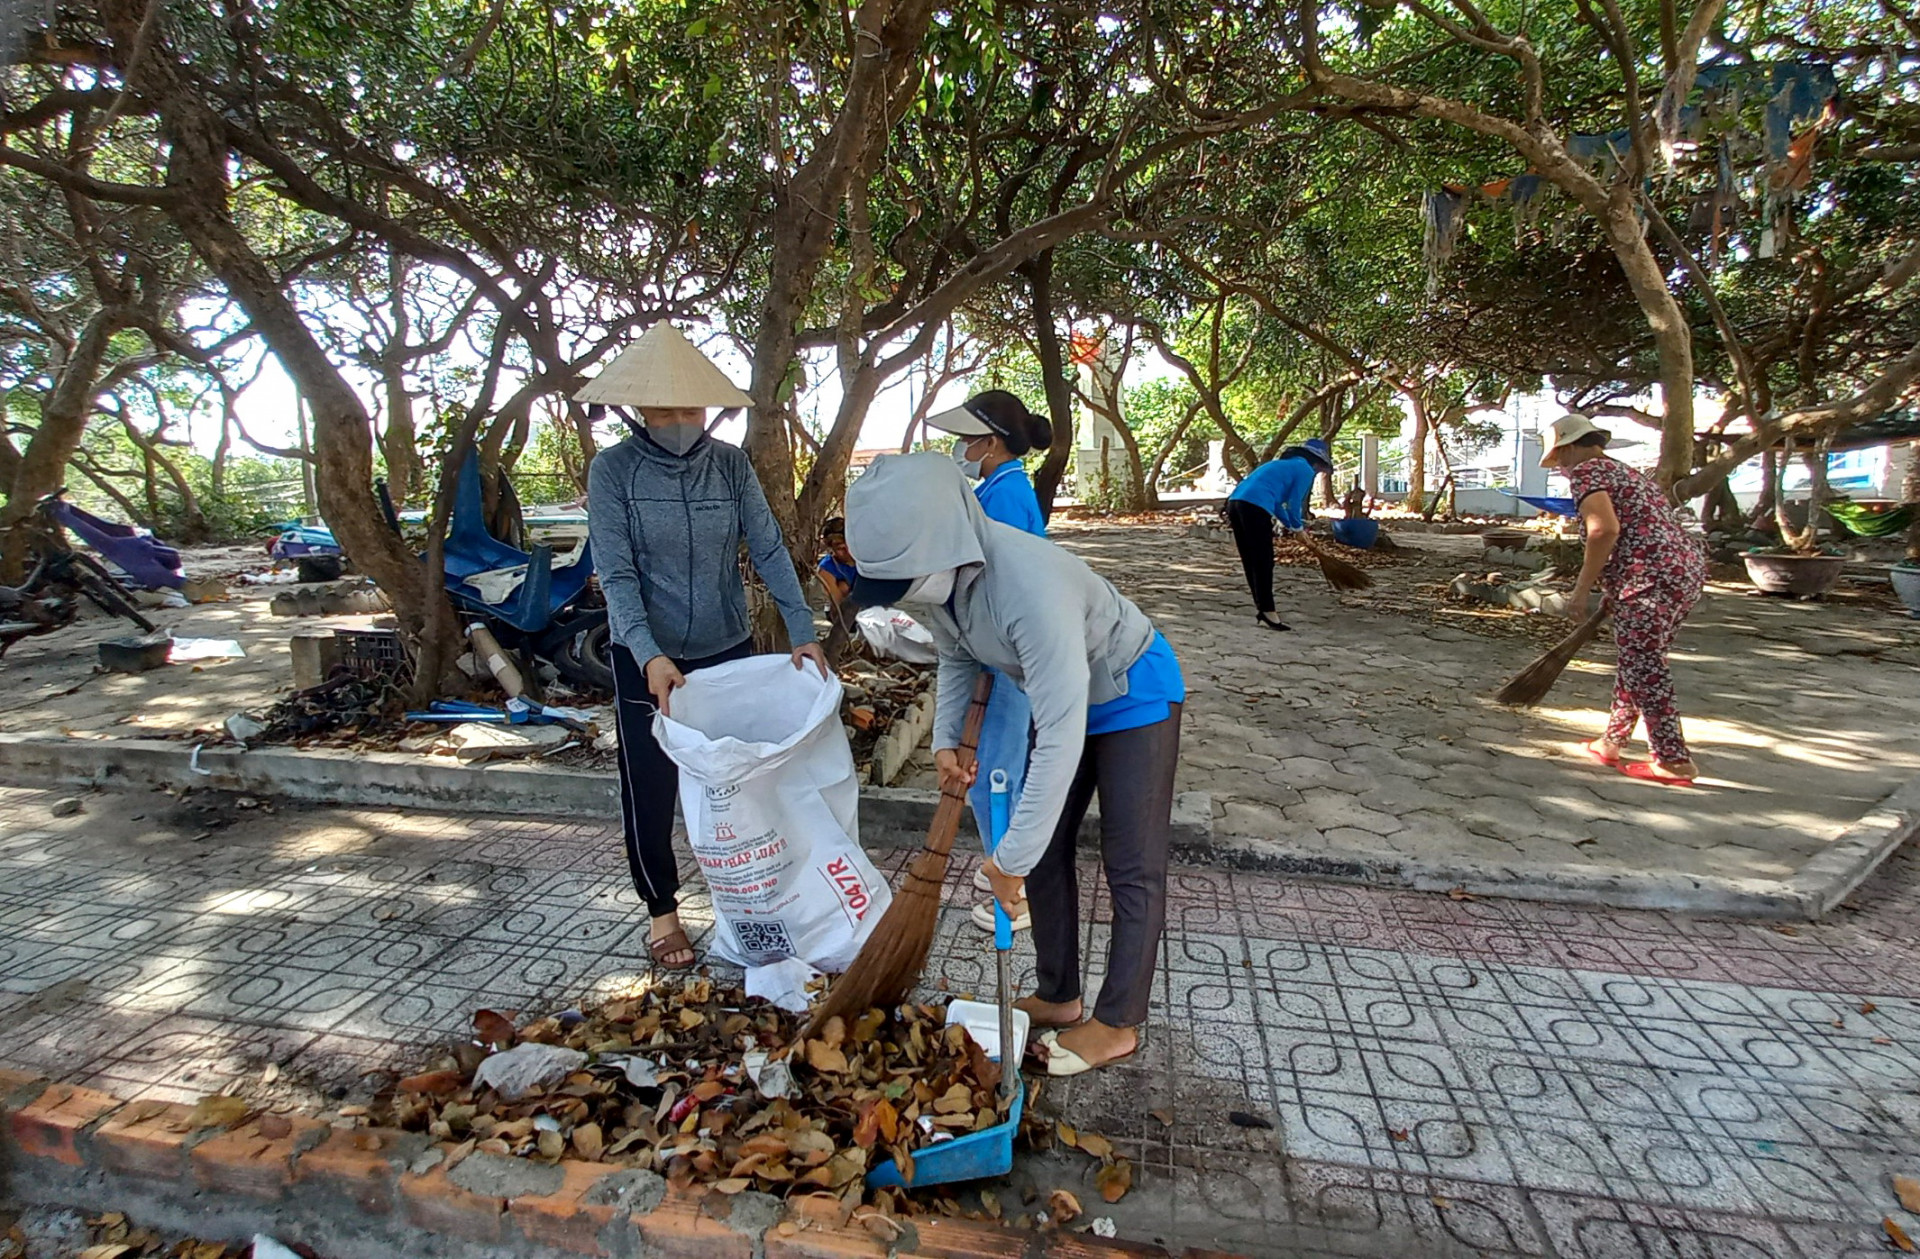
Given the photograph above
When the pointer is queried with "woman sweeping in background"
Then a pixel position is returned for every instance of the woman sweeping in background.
(1106, 694)
(1276, 490)
(667, 509)
(1652, 572)
(993, 432)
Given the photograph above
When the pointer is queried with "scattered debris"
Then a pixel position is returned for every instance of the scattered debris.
(1241, 1119)
(697, 1082)
(1907, 1189)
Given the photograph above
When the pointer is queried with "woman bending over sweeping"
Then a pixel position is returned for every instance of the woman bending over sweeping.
(667, 509)
(1276, 490)
(993, 432)
(1106, 693)
(1652, 573)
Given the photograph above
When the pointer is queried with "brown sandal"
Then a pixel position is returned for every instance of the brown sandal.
(666, 946)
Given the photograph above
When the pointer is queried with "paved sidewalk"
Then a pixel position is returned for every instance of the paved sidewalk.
(1367, 733)
(1446, 1077)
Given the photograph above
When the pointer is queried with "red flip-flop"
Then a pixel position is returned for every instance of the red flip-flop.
(1593, 753)
(1644, 771)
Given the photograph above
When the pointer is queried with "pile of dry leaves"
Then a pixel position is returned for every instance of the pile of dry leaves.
(698, 1083)
(114, 1237)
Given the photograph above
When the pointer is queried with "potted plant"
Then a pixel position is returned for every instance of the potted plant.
(1800, 567)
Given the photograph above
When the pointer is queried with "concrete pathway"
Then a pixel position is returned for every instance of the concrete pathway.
(1445, 1077)
(1366, 733)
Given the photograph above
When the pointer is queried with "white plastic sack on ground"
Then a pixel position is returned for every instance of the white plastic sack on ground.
(892, 632)
(784, 983)
(772, 810)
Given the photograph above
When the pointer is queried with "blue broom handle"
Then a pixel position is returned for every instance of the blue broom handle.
(998, 798)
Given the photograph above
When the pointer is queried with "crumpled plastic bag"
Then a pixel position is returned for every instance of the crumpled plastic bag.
(525, 1069)
(784, 983)
(265, 1247)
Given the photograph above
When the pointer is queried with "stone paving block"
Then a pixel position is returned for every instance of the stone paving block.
(1327, 809)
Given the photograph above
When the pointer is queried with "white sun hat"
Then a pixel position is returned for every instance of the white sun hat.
(1565, 431)
(662, 369)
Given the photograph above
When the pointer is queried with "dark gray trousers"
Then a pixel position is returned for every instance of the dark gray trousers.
(1133, 772)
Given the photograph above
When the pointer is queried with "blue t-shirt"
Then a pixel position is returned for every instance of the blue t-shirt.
(1153, 683)
(1279, 488)
(1007, 496)
(834, 568)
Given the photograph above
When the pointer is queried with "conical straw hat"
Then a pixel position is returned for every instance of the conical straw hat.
(662, 369)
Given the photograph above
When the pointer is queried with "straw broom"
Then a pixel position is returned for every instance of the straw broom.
(1339, 574)
(890, 962)
(1531, 684)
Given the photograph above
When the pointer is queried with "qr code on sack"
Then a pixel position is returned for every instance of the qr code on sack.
(763, 938)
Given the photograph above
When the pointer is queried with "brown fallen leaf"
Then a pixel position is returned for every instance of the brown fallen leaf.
(436, 1083)
(1095, 1144)
(115, 1250)
(1907, 1189)
(1441, 1203)
(866, 1130)
(589, 1142)
(1164, 1116)
(690, 1019)
(552, 1145)
(1883, 1040)
(1868, 1007)
(1462, 894)
(274, 1127)
(990, 1203)
(732, 1185)
(1063, 1207)
(707, 1090)
(491, 1027)
(1398, 1134)
(1068, 1137)
(1114, 1180)
(825, 1058)
(219, 1111)
(1897, 1235)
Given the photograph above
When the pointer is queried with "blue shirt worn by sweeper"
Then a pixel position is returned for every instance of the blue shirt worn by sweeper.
(1280, 489)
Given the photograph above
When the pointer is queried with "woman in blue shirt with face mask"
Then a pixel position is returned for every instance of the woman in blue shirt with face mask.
(992, 432)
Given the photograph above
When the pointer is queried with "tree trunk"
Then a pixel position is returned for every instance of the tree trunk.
(1417, 455)
(400, 440)
(198, 167)
(42, 468)
(1053, 378)
(1765, 506)
(1672, 337)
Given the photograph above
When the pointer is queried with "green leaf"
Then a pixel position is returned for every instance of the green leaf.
(697, 28)
(711, 88)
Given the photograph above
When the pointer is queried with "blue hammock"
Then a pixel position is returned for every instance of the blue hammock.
(149, 562)
(1558, 506)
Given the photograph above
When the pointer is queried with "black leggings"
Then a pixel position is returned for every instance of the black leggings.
(649, 780)
(1133, 770)
(1253, 536)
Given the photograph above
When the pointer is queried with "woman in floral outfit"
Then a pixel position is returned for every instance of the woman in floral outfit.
(1651, 571)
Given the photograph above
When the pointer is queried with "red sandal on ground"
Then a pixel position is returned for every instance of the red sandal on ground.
(1654, 772)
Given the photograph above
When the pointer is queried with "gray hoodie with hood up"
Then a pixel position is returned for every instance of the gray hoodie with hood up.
(666, 534)
(1020, 604)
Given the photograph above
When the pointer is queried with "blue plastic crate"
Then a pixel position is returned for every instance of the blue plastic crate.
(976, 1156)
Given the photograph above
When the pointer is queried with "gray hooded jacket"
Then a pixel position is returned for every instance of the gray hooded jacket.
(1020, 605)
(666, 535)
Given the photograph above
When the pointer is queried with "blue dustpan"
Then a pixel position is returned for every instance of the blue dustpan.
(976, 1156)
(989, 1152)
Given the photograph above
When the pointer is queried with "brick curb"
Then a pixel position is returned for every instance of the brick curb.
(888, 815)
(373, 1193)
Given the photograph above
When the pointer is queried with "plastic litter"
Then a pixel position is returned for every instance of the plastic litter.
(784, 983)
(265, 1247)
(185, 649)
(524, 1069)
(1103, 1227)
(773, 1079)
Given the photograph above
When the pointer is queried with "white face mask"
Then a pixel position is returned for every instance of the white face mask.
(934, 588)
(971, 467)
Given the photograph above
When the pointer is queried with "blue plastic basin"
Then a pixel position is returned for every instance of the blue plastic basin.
(1359, 534)
(976, 1156)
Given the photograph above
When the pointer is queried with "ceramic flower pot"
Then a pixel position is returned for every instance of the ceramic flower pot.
(1906, 584)
(1801, 576)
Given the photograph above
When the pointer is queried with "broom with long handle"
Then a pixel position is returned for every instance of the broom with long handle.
(1531, 684)
(1339, 574)
(890, 962)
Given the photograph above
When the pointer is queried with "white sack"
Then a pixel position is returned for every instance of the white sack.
(891, 632)
(771, 804)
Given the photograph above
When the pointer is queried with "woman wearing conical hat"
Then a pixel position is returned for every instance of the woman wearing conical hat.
(667, 509)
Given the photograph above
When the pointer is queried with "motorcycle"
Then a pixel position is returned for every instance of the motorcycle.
(56, 582)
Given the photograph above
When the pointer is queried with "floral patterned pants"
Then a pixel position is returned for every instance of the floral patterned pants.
(1643, 630)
